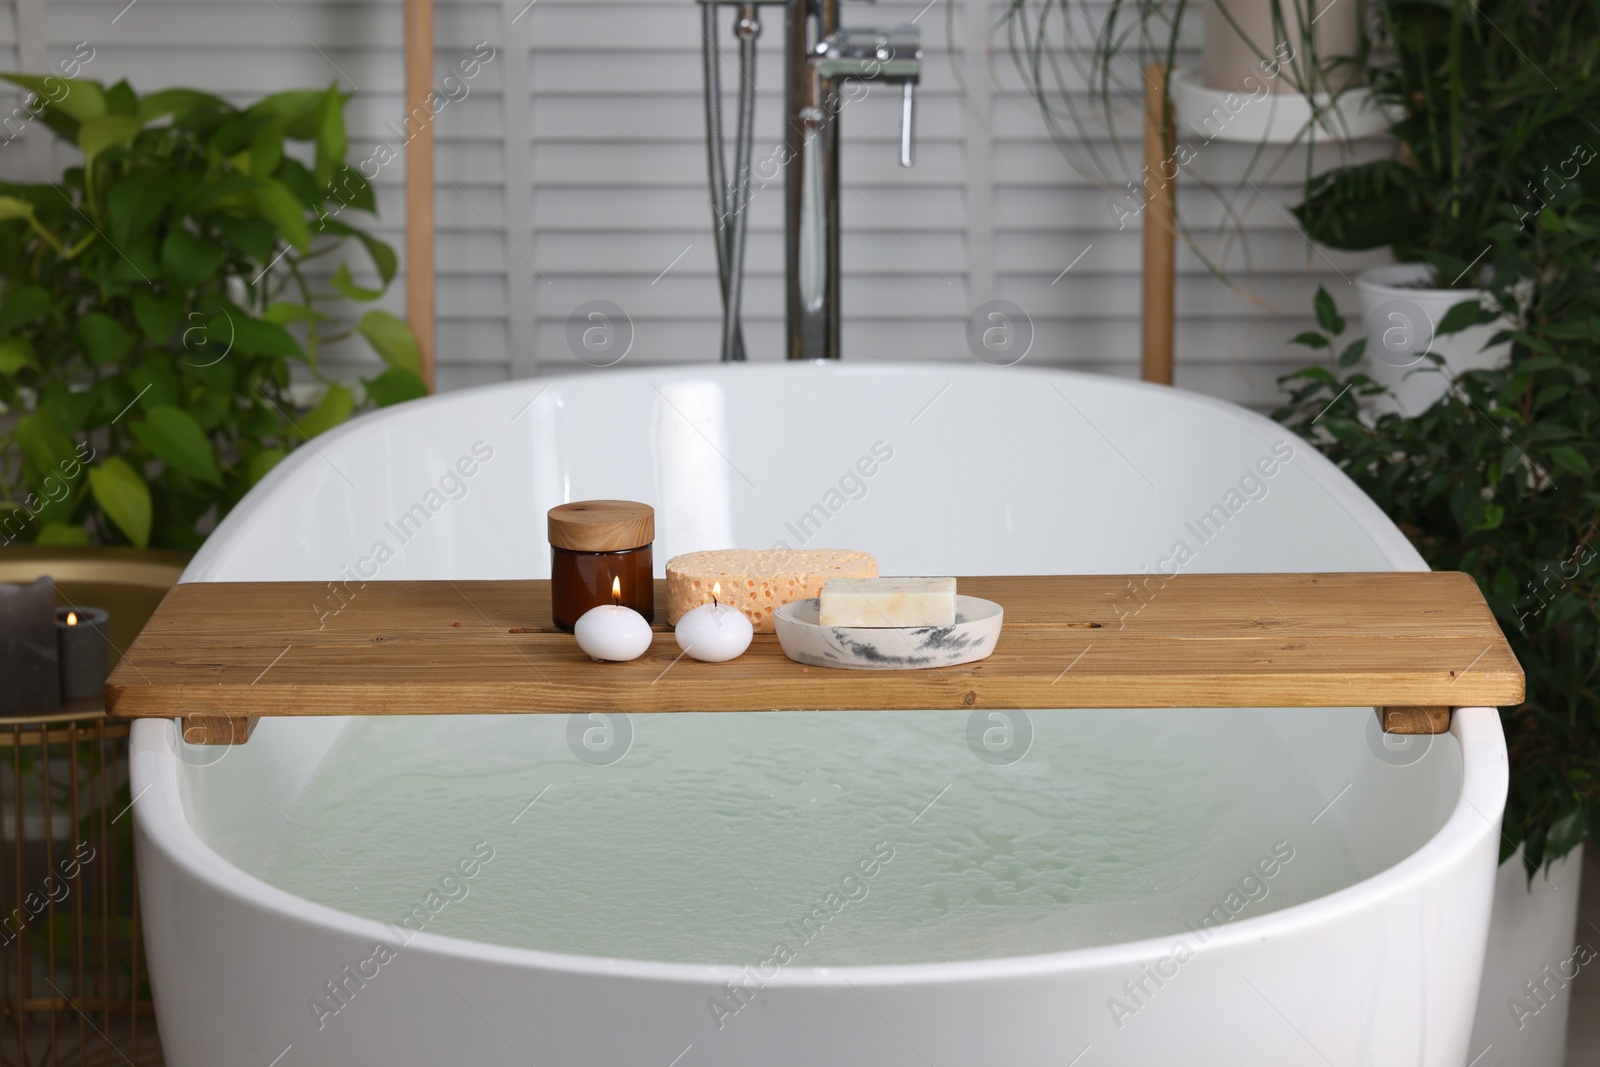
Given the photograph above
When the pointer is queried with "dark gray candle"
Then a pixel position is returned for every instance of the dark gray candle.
(28, 647)
(81, 637)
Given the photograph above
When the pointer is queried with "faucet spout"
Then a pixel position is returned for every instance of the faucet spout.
(825, 64)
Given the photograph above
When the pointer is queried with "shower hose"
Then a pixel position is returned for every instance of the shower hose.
(729, 217)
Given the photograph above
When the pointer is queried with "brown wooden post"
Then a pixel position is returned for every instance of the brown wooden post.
(1160, 230)
(419, 181)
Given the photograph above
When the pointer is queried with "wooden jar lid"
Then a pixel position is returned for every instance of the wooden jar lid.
(602, 525)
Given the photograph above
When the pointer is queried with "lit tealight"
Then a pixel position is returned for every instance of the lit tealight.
(714, 632)
(612, 632)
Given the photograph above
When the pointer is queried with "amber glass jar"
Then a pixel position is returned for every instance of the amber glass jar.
(598, 545)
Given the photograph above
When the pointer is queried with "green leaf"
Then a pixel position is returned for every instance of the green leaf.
(63, 125)
(331, 140)
(348, 187)
(100, 132)
(1310, 339)
(256, 238)
(336, 406)
(254, 337)
(266, 149)
(121, 99)
(134, 204)
(394, 386)
(158, 316)
(1353, 352)
(282, 313)
(1460, 316)
(231, 194)
(299, 109)
(392, 339)
(1581, 330)
(83, 99)
(124, 497)
(102, 337)
(15, 354)
(383, 256)
(346, 285)
(175, 438)
(1370, 205)
(178, 102)
(187, 260)
(62, 533)
(154, 383)
(262, 462)
(44, 445)
(22, 305)
(279, 207)
(222, 378)
(1565, 834)
(234, 136)
(1568, 458)
(136, 263)
(68, 408)
(209, 407)
(1327, 313)
(1539, 363)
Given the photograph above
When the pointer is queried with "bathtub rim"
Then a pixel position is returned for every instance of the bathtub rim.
(162, 822)
(1385, 536)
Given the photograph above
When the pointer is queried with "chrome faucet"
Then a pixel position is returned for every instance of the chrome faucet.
(821, 58)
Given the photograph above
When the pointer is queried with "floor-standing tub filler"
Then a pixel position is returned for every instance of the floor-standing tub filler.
(1209, 886)
(826, 66)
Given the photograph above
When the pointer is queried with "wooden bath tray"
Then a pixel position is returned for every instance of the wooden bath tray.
(1413, 645)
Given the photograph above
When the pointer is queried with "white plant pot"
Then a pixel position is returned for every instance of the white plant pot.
(1532, 939)
(1400, 319)
(1206, 114)
(1252, 83)
(1241, 34)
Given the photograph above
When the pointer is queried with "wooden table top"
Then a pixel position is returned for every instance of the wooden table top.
(1069, 641)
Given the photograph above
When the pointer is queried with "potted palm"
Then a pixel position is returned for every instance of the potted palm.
(1495, 473)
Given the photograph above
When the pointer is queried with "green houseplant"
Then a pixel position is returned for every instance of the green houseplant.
(156, 300)
(1497, 478)
(1496, 104)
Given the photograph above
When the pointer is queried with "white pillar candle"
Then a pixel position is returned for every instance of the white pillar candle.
(714, 632)
(612, 632)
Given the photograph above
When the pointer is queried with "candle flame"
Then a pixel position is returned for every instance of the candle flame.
(616, 590)
(716, 594)
(72, 618)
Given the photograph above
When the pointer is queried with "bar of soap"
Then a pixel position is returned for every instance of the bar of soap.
(758, 581)
(888, 602)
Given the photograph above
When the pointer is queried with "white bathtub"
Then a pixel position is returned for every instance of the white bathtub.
(991, 471)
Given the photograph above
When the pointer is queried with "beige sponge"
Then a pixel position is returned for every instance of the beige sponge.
(758, 581)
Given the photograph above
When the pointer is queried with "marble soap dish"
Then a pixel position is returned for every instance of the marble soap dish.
(889, 648)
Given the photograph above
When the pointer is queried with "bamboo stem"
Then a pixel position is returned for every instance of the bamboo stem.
(1160, 232)
(419, 182)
